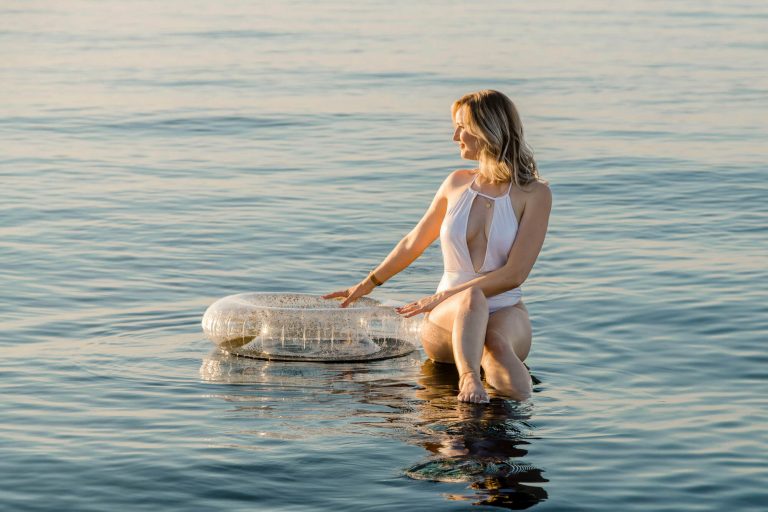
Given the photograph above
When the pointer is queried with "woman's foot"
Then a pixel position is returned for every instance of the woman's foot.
(471, 388)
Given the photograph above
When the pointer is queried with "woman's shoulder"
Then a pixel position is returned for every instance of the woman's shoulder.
(455, 182)
(539, 189)
(538, 196)
(460, 177)
(535, 188)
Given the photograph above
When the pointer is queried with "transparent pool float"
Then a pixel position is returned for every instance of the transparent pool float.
(303, 327)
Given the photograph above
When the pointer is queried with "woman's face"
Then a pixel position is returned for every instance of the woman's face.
(469, 145)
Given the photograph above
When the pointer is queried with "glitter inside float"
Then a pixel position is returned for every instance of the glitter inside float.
(302, 327)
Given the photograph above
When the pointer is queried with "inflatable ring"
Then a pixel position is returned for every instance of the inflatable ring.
(303, 327)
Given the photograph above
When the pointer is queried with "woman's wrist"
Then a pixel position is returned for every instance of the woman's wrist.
(373, 279)
(367, 284)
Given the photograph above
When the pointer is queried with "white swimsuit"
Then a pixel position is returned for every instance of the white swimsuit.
(457, 262)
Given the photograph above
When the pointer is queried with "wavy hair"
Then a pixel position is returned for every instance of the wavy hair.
(504, 155)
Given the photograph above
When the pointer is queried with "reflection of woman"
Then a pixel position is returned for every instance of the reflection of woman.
(491, 222)
(485, 447)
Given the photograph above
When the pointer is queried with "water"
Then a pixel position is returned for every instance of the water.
(157, 156)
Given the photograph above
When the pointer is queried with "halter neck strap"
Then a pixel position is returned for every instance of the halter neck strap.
(486, 195)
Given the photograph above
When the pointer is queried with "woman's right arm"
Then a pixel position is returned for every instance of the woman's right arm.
(407, 250)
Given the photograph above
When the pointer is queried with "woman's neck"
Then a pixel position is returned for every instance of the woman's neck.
(482, 179)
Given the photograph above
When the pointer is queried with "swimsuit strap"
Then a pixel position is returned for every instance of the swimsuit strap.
(472, 183)
(485, 195)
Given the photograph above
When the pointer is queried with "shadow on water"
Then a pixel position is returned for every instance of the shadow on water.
(404, 399)
(480, 445)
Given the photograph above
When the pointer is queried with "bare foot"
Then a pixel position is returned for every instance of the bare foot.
(471, 389)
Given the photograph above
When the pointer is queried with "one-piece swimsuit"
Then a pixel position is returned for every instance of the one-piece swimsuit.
(457, 263)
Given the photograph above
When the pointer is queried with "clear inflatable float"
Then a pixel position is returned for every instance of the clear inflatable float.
(303, 327)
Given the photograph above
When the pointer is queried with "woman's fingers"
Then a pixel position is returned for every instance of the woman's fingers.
(424, 305)
(404, 309)
(414, 312)
(410, 310)
(409, 306)
(333, 295)
(352, 297)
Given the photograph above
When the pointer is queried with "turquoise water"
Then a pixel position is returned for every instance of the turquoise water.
(159, 155)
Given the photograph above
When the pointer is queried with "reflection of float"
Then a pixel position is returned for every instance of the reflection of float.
(301, 327)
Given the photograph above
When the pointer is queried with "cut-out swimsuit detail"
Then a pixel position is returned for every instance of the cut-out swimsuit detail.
(457, 262)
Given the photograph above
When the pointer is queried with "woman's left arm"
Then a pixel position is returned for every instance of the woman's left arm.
(528, 242)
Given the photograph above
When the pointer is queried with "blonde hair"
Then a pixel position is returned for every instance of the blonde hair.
(504, 155)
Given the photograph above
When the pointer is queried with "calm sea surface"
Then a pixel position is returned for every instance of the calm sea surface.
(155, 156)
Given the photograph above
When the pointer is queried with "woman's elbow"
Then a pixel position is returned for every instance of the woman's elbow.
(515, 278)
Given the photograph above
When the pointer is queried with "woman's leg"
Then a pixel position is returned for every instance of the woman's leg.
(465, 317)
(507, 343)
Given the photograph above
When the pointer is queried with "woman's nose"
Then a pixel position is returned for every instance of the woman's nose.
(456, 134)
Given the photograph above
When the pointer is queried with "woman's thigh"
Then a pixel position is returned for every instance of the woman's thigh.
(512, 325)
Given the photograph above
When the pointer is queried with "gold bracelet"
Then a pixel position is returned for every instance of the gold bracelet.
(375, 281)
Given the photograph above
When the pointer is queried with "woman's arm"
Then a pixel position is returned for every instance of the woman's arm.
(522, 256)
(408, 249)
(416, 242)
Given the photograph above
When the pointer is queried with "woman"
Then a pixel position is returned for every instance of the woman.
(491, 222)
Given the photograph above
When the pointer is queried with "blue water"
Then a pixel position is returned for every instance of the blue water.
(155, 156)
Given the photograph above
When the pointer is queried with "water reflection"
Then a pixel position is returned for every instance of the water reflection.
(404, 399)
(481, 445)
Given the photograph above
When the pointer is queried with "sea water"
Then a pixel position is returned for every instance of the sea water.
(156, 156)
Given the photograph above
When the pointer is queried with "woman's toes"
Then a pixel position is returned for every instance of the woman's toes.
(471, 390)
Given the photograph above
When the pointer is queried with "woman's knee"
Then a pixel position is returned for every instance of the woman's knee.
(474, 299)
(501, 344)
(504, 370)
(496, 343)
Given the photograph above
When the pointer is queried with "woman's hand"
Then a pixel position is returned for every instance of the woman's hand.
(350, 295)
(424, 305)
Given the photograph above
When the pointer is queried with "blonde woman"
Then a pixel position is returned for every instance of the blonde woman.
(491, 221)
